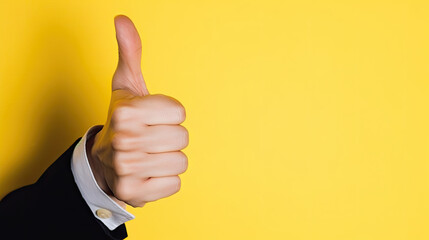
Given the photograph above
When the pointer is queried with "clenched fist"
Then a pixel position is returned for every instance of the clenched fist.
(136, 156)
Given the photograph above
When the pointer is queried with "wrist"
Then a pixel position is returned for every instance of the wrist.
(95, 164)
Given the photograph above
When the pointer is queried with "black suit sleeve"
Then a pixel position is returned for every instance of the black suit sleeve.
(52, 208)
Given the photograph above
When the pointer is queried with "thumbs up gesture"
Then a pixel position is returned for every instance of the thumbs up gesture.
(136, 156)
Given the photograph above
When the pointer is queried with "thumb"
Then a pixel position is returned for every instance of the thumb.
(128, 74)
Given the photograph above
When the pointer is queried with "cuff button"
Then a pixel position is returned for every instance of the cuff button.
(103, 213)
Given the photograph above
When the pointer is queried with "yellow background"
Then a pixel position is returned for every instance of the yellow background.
(307, 119)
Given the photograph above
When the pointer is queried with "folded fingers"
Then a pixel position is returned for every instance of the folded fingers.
(153, 139)
(142, 165)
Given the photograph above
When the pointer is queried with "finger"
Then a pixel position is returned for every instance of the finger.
(159, 187)
(128, 75)
(143, 165)
(154, 139)
(160, 109)
(139, 192)
(152, 110)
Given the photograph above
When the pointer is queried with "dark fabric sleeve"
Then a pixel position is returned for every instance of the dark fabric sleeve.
(52, 208)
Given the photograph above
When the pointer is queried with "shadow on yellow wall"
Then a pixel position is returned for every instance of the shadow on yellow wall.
(53, 70)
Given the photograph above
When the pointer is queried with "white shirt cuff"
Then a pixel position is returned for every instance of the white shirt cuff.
(112, 215)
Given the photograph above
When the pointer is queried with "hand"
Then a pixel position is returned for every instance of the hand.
(136, 157)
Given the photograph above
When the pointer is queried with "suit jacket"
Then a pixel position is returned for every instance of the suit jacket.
(52, 208)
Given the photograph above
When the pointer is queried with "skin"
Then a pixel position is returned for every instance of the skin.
(136, 157)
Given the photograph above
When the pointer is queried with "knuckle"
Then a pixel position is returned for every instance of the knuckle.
(174, 109)
(119, 115)
(120, 168)
(178, 109)
(183, 160)
(176, 184)
(184, 136)
(181, 113)
(123, 192)
(118, 142)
